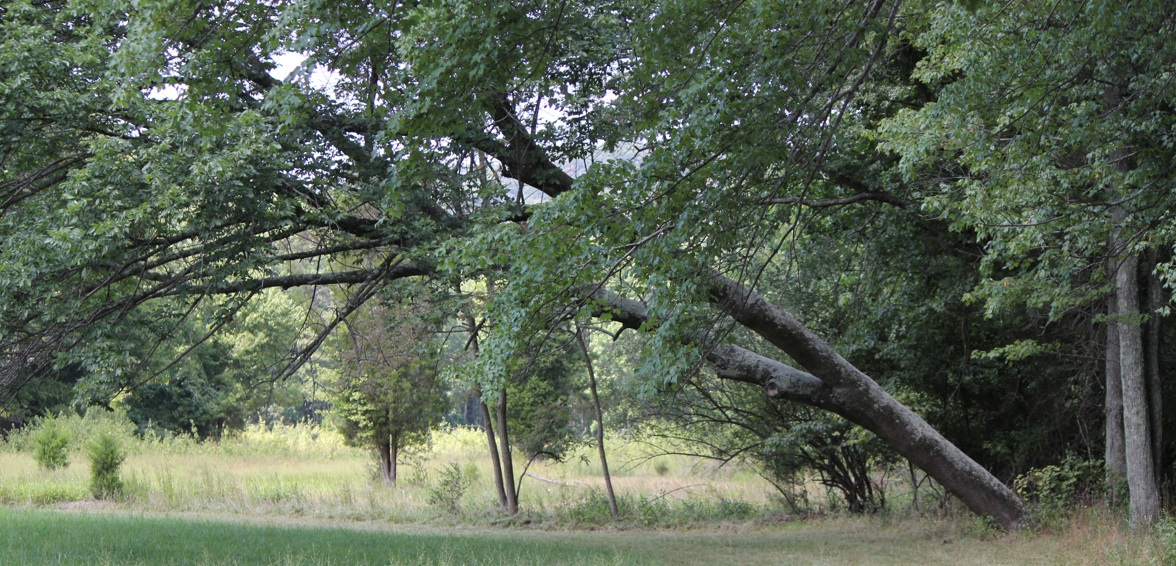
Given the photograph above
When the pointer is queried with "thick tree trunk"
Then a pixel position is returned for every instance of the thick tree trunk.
(508, 478)
(1155, 301)
(853, 395)
(836, 385)
(384, 448)
(608, 486)
(1116, 450)
(1141, 477)
(394, 454)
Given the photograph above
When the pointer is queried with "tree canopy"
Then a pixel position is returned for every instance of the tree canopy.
(658, 164)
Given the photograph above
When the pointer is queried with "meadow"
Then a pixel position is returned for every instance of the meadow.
(298, 495)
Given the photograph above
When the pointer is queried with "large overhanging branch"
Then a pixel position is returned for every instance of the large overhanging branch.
(353, 277)
(874, 196)
(730, 362)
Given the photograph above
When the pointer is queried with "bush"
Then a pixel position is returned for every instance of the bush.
(51, 446)
(451, 487)
(1053, 490)
(106, 457)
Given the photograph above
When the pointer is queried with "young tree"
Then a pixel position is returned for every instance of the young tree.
(390, 394)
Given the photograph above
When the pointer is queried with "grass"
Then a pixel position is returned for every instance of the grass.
(46, 537)
(307, 471)
(297, 495)
(40, 536)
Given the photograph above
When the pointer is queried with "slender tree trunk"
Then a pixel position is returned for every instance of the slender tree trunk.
(487, 421)
(1116, 450)
(508, 478)
(1141, 478)
(608, 486)
(495, 461)
(1155, 301)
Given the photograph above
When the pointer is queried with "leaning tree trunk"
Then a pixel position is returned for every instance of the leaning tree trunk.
(1141, 478)
(836, 385)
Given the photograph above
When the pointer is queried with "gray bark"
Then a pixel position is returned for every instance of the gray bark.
(1141, 478)
(495, 461)
(508, 477)
(834, 384)
(1116, 451)
(1155, 301)
(388, 449)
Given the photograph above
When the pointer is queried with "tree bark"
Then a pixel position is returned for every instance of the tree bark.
(1141, 479)
(495, 461)
(384, 447)
(1116, 451)
(608, 486)
(853, 395)
(508, 478)
(1155, 301)
(394, 453)
(837, 386)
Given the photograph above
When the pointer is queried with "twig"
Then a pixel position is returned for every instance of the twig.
(545, 480)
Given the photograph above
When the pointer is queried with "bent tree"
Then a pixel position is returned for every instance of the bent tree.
(636, 161)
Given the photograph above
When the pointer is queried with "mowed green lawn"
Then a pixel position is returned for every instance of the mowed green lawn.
(63, 537)
(40, 536)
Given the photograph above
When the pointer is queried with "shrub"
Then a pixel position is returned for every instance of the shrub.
(51, 446)
(106, 457)
(1054, 490)
(451, 486)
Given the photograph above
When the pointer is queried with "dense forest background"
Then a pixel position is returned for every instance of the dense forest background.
(823, 238)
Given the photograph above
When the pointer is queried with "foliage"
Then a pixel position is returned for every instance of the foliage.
(82, 429)
(157, 178)
(845, 458)
(1057, 489)
(451, 486)
(1038, 133)
(186, 406)
(891, 300)
(390, 394)
(51, 446)
(106, 458)
(542, 393)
